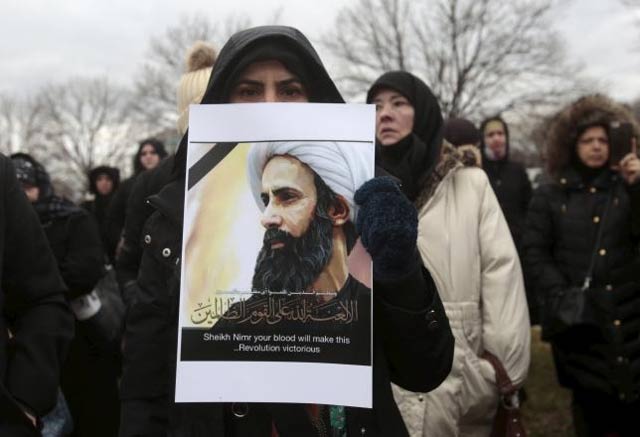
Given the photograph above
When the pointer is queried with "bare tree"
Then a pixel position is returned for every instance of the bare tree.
(85, 123)
(480, 57)
(155, 96)
(20, 124)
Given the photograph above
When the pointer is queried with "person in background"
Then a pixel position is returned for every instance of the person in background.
(37, 325)
(199, 63)
(508, 179)
(89, 374)
(464, 242)
(103, 183)
(511, 184)
(581, 251)
(150, 153)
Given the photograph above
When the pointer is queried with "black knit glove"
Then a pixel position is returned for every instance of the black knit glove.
(388, 227)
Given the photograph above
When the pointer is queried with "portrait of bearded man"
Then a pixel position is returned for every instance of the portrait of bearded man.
(305, 192)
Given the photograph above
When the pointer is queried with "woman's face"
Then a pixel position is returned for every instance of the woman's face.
(267, 81)
(149, 158)
(394, 116)
(104, 184)
(593, 147)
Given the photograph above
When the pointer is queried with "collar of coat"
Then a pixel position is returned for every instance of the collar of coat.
(570, 180)
(451, 159)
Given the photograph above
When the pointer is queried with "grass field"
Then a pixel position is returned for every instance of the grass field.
(546, 412)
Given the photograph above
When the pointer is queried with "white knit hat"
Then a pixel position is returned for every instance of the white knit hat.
(344, 167)
(193, 83)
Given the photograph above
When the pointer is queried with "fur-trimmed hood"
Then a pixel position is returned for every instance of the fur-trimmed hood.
(570, 122)
(451, 158)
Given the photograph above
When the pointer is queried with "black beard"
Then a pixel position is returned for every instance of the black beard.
(294, 267)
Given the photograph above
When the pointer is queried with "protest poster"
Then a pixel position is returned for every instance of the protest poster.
(275, 299)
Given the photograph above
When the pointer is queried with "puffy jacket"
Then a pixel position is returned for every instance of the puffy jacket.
(594, 349)
(564, 218)
(465, 243)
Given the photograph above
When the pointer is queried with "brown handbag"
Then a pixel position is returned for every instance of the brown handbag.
(508, 420)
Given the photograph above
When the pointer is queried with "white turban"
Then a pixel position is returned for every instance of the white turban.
(344, 167)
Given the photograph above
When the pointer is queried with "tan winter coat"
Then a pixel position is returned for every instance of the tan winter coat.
(465, 244)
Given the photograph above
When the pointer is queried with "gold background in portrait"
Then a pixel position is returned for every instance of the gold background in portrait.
(226, 234)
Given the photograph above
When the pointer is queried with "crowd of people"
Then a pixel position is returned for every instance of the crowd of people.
(453, 228)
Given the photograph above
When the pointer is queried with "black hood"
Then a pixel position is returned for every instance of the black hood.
(112, 172)
(283, 43)
(48, 206)
(42, 178)
(483, 146)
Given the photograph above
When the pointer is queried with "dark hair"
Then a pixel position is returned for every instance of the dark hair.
(156, 144)
(326, 199)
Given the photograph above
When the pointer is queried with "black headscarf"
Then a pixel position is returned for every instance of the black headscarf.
(414, 157)
(285, 44)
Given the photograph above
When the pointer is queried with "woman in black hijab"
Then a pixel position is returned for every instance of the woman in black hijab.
(148, 382)
(464, 242)
(413, 157)
(103, 184)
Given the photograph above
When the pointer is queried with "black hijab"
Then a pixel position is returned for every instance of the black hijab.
(285, 44)
(414, 157)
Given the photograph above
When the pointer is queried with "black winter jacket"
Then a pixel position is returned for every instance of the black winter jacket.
(562, 226)
(403, 340)
(117, 212)
(76, 244)
(32, 307)
(99, 208)
(511, 184)
(138, 211)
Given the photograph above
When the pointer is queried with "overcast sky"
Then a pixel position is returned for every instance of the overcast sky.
(44, 40)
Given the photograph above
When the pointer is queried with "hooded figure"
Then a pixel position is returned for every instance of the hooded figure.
(464, 242)
(99, 206)
(89, 376)
(508, 179)
(150, 354)
(34, 308)
(149, 155)
(581, 251)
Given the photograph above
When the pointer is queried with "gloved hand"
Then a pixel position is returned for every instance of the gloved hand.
(388, 227)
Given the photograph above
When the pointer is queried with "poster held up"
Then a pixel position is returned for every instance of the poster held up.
(275, 299)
